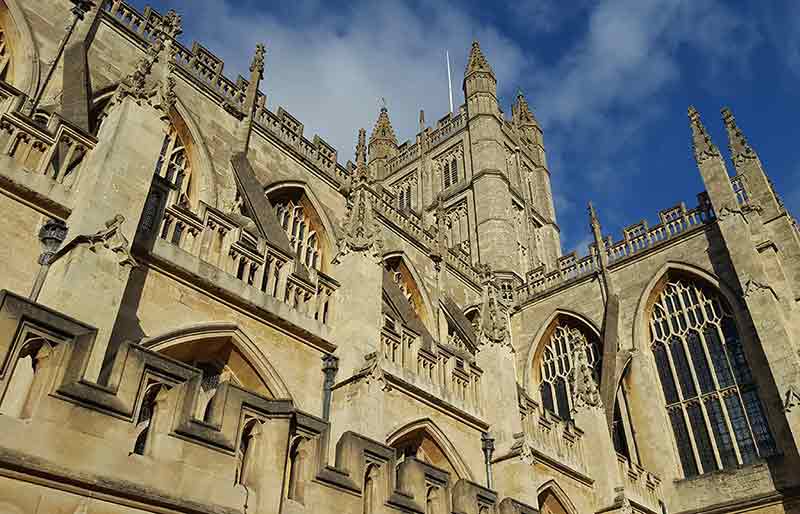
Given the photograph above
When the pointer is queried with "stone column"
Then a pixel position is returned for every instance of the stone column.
(88, 276)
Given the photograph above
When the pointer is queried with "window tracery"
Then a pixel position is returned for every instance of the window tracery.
(404, 192)
(712, 402)
(556, 363)
(173, 164)
(295, 219)
(6, 63)
(457, 228)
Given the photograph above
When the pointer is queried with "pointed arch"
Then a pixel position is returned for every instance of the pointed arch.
(640, 332)
(426, 429)
(425, 308)
(320, 226)
(25, 52)
(206, 187)
(248, 363)
(693, 325)
(538, 342)
(551, 489)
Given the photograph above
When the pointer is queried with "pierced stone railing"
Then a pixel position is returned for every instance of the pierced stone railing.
(641, 486)
(412, 225)
(43, 145)
(406, 156)
(448, 128)
(443, 374)
(213, 237)
(547, 437)
(673, 222)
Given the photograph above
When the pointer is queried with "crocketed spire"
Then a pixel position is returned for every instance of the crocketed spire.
(703, 147)
(383, 128)
(521, 112)
(477, 61)
(361, 149)
(740, 148)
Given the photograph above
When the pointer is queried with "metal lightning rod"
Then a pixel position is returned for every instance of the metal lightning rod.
(449, 79)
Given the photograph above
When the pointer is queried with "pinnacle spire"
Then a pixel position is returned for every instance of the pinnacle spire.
(257, 64)
(521, 112)
(739, 147)
(477, 61)
(383, 128)
(361, 149)
(703, 147)
(595, 221)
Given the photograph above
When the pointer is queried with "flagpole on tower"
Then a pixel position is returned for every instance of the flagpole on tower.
(449, 79)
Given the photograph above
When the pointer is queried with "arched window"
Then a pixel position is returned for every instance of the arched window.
(302, 225)
(173, 163)
(712, 402)
(555, 365)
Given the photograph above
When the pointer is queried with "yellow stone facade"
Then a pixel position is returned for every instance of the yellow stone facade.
(204, 311)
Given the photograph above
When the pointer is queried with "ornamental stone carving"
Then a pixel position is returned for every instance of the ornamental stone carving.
(585, 393)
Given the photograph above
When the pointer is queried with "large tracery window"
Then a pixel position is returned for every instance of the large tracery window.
(555, 366)
(5, 57)
(712, 402)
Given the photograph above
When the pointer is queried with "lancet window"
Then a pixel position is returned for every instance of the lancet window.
(712, 402)
(556, 363)
(404, 192)
(296, 221)
(448, 167)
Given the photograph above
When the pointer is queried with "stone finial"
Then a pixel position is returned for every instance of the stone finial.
(740, 149)
(594, 220)
(170, 24)
(257, 64)
(521, 112)
(477, 61)
(361, 150)
(421, 120)
(585, 393)
(704, 148)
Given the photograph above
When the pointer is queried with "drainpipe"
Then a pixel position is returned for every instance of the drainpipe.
(330, 365)
(487, 445)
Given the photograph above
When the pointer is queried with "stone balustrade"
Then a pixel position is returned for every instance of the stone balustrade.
(441, 373)
(412, 225)
(641, 486)
(213, 237)
(637, 238)
(546, 437)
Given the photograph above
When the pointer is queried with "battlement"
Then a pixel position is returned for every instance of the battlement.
(207, 70)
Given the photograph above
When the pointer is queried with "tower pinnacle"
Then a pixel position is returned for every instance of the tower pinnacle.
(740, 149)
(703, 147)
(477, 61)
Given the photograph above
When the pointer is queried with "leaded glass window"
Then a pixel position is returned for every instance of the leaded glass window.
(555, 366)
(173, 163)
(716, 416)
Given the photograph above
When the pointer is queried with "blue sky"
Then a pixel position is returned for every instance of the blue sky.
(610, 81)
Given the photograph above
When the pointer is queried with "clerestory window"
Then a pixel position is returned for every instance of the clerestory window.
(555, 366)
(712, 402)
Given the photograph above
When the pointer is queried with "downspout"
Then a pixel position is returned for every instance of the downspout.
(330, 365)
